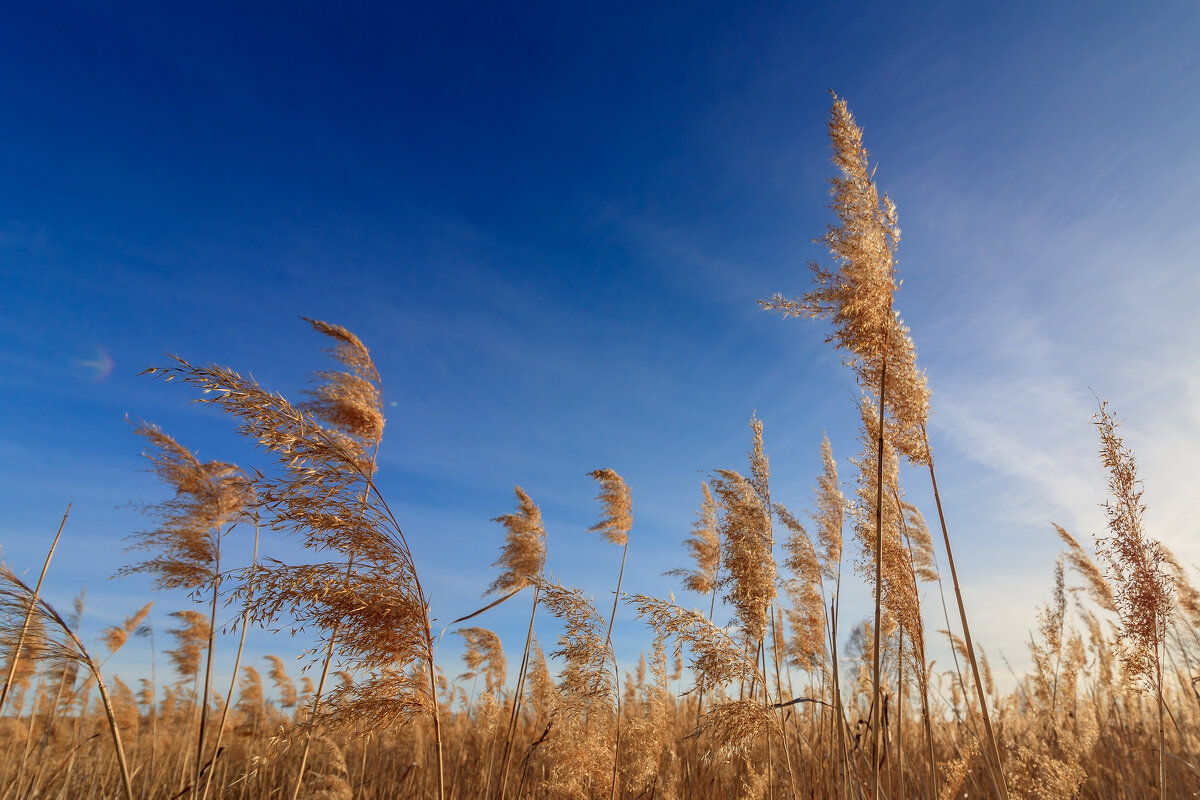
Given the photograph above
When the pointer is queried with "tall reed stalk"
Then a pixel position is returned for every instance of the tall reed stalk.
(995, 769)
(19, 645)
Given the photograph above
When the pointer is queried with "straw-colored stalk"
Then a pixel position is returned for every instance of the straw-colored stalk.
(18, 646)
(237, 660)
(14, 594)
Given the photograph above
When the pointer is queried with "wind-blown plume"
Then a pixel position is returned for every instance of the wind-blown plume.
(323, 491)
(856, 293)
(484, 655)
(618, 507)
(806, 615)
(1133, 560)
(524, 553)
(114, 637)
(1098, 587)
(747, 542)
(349, 401)
(830, 512)
(704, 545)
(208, 497)
(190, 639)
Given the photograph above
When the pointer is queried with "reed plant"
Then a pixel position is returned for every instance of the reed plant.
(775, 692)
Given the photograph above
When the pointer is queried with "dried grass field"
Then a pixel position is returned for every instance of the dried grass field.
(791, 699)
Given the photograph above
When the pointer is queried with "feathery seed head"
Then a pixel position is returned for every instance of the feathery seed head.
(523, 556)
(830, 512)
(208, 497)
(114, 638)
(484, 655)
(856, 293)
(705, 547)
(1134, 561)
(191, 637)
(618, 507)
(1097, 586)
(349, 401)
(747, 543)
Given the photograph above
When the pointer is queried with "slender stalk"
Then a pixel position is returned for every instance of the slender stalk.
(837, 695)
(1162, 740)
(994, 767)
(876, 730)
(775, 639)
(16, 656)
(900, 709)
(607, 646)
(237, 660)
(516, 712)
(208, 661)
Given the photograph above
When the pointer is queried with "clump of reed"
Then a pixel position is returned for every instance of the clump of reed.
(774, 694)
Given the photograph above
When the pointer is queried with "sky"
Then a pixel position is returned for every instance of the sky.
(551, 224)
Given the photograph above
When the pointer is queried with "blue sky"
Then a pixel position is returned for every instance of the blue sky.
(551, 223)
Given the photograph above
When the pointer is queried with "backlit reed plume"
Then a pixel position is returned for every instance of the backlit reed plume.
(923, 569)
(704, 546)
(251, 705)
(1187, 597)
(648, 734)
(829, 516)
(760, 480)
(1046, 649)
(616, 505)
(348, 401)
(484, 656)
(209, 496)
(191, 637)
(186, 545)
(59, 644)
(1134, 563)
(746, 542)
(830, 513)
(856, 294)
(370, 600)
(806, 612)
(282, 682)
(1095, 583)
(523, 556)
(732, 726)
(115, 637)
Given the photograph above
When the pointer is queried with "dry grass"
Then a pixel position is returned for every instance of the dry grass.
(787, 701)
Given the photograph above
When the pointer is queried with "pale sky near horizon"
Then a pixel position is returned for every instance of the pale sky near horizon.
(551, 226)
